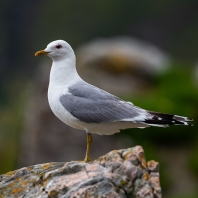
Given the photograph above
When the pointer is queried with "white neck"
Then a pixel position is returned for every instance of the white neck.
(63, 72)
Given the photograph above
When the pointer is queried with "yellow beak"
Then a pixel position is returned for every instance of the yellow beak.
(42, 52)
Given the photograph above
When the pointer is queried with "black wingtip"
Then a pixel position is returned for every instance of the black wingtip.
(169, 119)
(190, 119)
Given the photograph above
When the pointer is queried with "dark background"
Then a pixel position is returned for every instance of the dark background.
(172, 26)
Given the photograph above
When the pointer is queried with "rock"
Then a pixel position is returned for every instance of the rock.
(120, 173)
(124, 52)
(121, 65)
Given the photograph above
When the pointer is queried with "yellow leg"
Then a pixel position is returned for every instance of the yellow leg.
(89, 140)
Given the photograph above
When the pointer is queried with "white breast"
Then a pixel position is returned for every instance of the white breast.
(57, 108)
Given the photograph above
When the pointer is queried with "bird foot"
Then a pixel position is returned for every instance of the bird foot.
(87, 159)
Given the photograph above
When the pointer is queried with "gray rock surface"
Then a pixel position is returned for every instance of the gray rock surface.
(120, 173)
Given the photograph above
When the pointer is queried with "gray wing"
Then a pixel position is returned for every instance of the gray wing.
(93, 105)
(85, 90)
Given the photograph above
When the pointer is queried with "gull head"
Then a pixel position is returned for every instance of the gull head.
(57, 50)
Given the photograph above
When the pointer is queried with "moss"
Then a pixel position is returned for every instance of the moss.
(124, 183)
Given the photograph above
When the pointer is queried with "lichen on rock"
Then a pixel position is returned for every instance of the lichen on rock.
(120, 173)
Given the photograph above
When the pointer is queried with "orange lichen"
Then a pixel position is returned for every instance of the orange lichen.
(29, 168)
(46, 166)
(146, 176)
(16, 190)
(10, 173)
(152, 164)
(142, 160)
(24, 183)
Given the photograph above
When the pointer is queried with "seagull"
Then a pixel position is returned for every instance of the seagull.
(86, 107)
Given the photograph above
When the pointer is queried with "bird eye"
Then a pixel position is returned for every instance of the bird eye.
(58, 46)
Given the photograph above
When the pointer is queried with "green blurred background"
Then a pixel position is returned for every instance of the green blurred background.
(172, 26)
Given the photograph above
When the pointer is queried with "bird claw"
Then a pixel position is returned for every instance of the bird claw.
(87, 159)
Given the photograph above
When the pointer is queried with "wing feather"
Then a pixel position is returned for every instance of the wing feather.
(93, 105)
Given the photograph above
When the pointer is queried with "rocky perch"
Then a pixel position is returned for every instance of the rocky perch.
(120, 173)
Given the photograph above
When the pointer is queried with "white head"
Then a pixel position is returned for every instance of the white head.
(57, 50)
